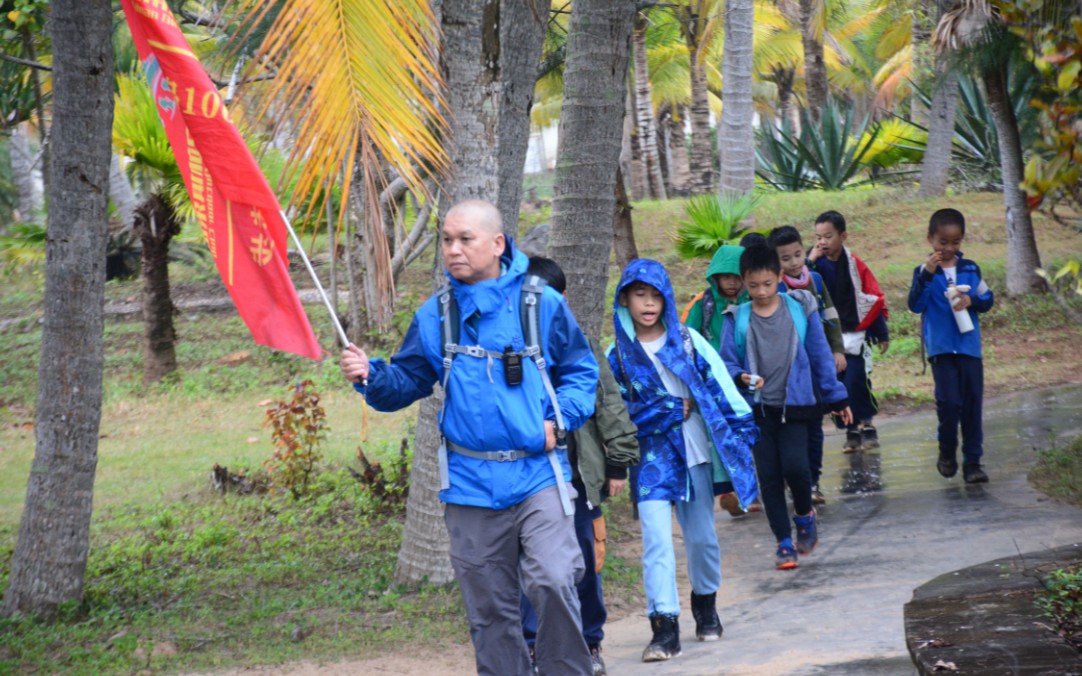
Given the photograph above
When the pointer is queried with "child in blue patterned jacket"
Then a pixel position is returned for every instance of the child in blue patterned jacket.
(695, 432)
(949, 293)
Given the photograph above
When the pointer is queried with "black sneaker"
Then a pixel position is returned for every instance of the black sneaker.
(973, 473)
(947, 464)
(707, 623)
(869, 437)
(853, 440)
(596, 661)
(817, 496)
(666, 642)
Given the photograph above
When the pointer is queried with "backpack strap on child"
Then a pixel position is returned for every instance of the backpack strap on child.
(710, 306)
(530, 321)
(742, 317)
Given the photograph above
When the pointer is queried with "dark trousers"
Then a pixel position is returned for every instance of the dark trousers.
(589, 588)
(959, 391)
(858, 385)
(781, 457)
(815, 449)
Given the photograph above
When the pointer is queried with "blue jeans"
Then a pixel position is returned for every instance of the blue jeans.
(590, 598)
(700, 540)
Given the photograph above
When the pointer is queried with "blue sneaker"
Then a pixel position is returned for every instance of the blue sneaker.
(807, 535)
(786, 558)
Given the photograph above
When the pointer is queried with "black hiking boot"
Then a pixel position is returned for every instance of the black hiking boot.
(853, 441)
(948, 463)
(666, 642)
(869, 437)
(707, 623)
(973, 473)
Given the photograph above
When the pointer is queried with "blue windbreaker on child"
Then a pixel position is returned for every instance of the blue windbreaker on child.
(662, 471)
(928, 297)
(812, 377)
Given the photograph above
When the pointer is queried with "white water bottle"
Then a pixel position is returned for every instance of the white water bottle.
(961, 317)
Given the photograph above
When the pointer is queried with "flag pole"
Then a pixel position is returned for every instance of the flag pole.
(311, 271)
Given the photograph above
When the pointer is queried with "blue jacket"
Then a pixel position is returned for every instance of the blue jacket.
(812, 366)
(662, 471)
(481, 411)
(926, 296)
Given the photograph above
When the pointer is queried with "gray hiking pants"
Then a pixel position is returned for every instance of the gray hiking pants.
(530, 547)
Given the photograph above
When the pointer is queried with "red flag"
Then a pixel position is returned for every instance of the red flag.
(236, 208)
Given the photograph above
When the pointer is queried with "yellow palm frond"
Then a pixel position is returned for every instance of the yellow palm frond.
(355, 82)
(893, 78)
(893, 39)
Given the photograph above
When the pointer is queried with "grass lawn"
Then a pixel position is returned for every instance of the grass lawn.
(181, 577)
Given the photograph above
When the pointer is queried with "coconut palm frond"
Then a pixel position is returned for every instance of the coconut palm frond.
(895, 36)
(893, 83)
(355, 76)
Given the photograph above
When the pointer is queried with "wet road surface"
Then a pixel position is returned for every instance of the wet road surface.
(890, 524)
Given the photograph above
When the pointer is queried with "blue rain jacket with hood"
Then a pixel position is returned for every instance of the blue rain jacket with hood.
(481, 411)
(662, 471)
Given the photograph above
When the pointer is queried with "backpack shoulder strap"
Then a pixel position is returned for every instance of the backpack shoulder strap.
(740, 330)
(529, 308)
(448, 329)
(797, 312)
(710, 306)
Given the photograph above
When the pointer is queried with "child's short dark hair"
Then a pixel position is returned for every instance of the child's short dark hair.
(757, 258)
(753, 239)
(783, 236)
(945, 217)
(832, 217)
(548, 270)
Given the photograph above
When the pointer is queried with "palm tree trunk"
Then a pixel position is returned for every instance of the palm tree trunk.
(48, 568)
(22, 175)
(701, 162)
(935, 167)
(623, 234)
(1022, 256)
(737, 136)
(156, 225)
(646, 130)
(815, 70)
(680, 173)
(589, 152)
(489, 52)
(640, 182)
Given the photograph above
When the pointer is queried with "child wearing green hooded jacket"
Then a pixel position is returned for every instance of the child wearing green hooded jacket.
(724, 288)
(706, 314)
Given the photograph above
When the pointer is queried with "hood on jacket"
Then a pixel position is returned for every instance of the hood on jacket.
(726, 261)
(653, 273)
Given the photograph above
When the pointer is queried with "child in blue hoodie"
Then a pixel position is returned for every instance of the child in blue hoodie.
(955, 355)
(775, 349)
(695, 431)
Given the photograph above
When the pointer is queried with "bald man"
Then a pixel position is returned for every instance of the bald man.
(504, 470)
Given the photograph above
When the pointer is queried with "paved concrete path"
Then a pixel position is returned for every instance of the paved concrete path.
(891, 524)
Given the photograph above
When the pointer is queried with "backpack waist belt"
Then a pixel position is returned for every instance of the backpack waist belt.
(496, 456)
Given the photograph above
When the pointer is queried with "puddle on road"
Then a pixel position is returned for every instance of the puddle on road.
(1016, 427)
